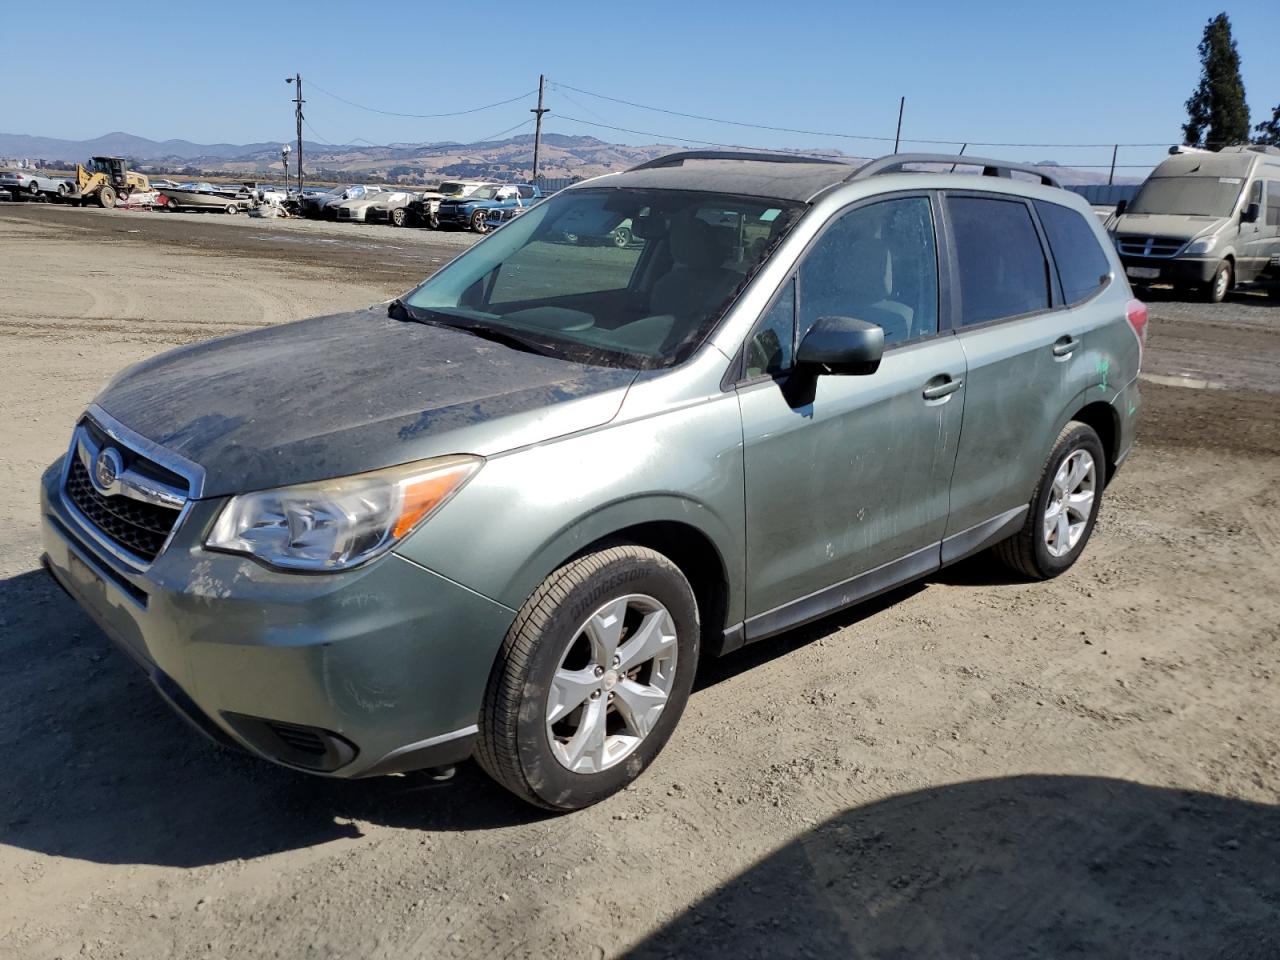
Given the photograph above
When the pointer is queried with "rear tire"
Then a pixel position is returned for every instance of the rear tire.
(231, 209)
(34, 189)
(1220, 285)
(559, 643)
(1045, 546)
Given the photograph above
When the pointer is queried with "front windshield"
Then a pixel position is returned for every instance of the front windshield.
(448, 188)
(1188, 196)
(483, 193)
(634, 278)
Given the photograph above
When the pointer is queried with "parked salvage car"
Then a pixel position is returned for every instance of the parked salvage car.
(357, 210)
(27, 184)
(425, 211)
(473, 211)
(393, 208)
(580, 469)
(328, 207)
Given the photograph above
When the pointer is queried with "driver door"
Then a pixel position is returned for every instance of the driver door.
(847, 477)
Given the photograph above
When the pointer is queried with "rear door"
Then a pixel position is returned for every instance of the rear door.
(847, 476)
(1025, 356)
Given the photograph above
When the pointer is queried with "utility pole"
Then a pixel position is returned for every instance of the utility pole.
(897, 137)
(537, 129)
(297, 112)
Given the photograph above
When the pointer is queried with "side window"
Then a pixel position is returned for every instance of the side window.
(770, 348)
(525, 192)
(1003, 272)
(877, 263)
(1255, 193)
(1273, 203)
(1082, 266)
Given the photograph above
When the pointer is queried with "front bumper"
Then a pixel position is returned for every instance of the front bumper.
(1179, 271)
(383, 666)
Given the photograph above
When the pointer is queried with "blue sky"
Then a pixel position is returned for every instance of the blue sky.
(1085, 72)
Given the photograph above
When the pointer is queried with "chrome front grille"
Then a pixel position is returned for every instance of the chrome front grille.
(140, 528)
(127, 494)
(1141, 246)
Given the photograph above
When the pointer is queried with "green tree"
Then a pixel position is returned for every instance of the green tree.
(1217, 115)
(1269, 130)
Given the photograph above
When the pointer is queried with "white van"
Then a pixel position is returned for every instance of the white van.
(1205, 221)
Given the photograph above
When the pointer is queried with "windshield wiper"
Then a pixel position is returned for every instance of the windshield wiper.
(399, 310)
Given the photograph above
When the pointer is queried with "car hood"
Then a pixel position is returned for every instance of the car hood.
(1181, 226)
(352, 392)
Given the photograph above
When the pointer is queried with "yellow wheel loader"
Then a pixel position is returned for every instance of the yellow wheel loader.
(105, 180)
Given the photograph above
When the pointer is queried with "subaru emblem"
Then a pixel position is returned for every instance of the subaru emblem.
(106, 469)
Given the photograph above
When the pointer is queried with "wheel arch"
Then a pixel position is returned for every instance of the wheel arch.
(1105, 421)
(684, 531)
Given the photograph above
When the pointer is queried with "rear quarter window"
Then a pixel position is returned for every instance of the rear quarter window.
(1083, 267)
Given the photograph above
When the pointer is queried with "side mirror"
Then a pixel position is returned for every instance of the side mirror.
(841, 345)
(1121, 207)
(1251, 213)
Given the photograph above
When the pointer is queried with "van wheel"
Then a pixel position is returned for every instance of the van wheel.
(591, 679)
(1217, 290)
(1064, 508)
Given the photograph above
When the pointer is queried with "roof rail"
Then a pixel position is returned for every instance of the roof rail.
(676, 159)
(990, 168)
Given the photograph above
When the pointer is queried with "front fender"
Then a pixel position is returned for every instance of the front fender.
(527, 512)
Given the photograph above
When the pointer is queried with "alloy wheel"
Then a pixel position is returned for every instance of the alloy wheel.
(612, 683)
(1071, 501)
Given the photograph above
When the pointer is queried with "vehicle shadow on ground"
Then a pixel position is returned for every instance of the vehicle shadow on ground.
(1034, 866)
(98, 768)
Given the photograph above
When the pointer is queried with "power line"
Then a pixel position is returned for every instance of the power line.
(704, 143)
(828, 133)
(812, 153)
(503, 133)
(420, 116)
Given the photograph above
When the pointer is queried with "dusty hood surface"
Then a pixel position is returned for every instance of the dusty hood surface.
(343, 394)
(1167, 225)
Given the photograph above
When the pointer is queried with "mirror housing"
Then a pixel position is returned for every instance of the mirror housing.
(1251, 213)
(1121, 207)
(841, 345)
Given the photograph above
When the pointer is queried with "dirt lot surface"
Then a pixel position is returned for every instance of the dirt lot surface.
(971, 767)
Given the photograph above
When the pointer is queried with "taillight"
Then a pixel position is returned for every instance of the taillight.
(17, 176)
(1137, 314)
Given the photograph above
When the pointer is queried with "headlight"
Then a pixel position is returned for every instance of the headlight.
(338, 524)
(1203, 245)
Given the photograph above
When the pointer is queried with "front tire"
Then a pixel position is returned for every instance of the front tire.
(399, 217)
(1063, 509)
(107, 197)
(1220, 285)
(479, 222)
(591, 679)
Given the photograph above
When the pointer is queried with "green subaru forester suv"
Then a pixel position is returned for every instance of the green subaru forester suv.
(506, 514)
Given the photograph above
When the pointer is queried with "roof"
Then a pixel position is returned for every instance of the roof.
(798, 179)
(1235, 163)
(791, 176)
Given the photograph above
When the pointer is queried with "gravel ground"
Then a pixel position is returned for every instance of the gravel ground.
(970, 767)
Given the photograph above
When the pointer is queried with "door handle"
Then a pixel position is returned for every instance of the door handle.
(1065, 346)
(942, 386)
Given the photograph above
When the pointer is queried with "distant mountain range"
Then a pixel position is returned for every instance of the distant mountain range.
(409, 163)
